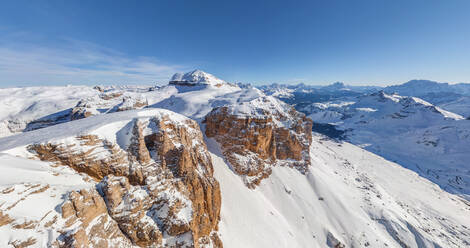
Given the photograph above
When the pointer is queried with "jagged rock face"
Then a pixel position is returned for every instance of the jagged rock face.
(84, 108)
(159, 190)
(132, 207)
(253, 143)
(87, 223)
(79, 154)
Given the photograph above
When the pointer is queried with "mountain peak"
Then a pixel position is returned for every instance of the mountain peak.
(338, 84)
(195, 77)
(423, 82)
(335, 86)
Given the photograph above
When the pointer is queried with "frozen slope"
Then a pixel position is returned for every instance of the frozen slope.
(30, 191)
(197, 101)
(351, 197)
(461, 106)
(408, 130)
(21, 106)
(29, 108)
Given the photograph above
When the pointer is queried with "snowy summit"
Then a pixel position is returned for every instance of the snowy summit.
(196, 77)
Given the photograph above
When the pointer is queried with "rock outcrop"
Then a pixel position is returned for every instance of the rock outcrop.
(156, 186)
(259, 134)
(130, 103)
(107, 103)
(87, 223)
(85, 108)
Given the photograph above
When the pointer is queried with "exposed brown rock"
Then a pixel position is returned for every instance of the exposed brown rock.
(191, 163)
(26, 225)
(40, 190)
(216, 240)
(131, 211)
(96, 228)
(8, 190)
(15, 203)
(83, 109)
(51, 222)
(184, 171)
(253, 145)
(85, 161)
(109, 96)
(22, 244)
(129, 103)
(161, 187)
(80, 114)
(137, 147)
(5, 219)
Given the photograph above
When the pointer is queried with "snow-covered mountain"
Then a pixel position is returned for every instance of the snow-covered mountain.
(302, 95)
(30, 108)
(459, 105)
(334, 87)
(420, 136)
(205, 163)
(452, 97)
(196, 77)
(424, 87)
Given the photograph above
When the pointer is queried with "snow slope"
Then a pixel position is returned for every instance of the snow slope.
(418, 135)
(29, 108)
(31, 193)
(350, 196)
(461, 105)
(302, 94)
(106, 126)
(424, 87)
(20, 106)
(197, 101)
(451, 97)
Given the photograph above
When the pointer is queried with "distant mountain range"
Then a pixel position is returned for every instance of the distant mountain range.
(425, 87)
(417, 134)
(452, 97)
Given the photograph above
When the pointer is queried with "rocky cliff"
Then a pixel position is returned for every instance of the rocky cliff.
(259, 134)
(154, 184)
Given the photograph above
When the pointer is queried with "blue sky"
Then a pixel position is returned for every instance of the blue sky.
(317, 42)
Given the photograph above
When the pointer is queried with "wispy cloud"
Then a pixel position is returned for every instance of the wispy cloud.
(76, 62)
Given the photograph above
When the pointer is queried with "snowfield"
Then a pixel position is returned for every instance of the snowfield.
(408, 130)
(30, 108)
(31, 192)
(21, 106)
(351, 196)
